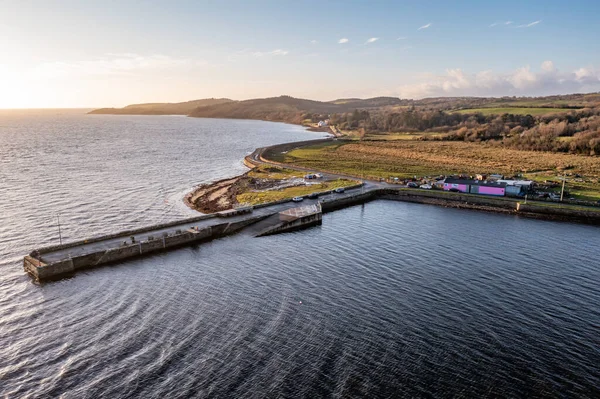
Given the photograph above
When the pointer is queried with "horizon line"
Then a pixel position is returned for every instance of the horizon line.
(287, 95)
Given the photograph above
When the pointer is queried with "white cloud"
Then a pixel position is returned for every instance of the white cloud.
(113, 64)
(529, 25)
(522, 81)
(548, 66)
(278, 52)
(425, 26)
(259, 54)
(372, 40)
(343, 40)
(500, 23)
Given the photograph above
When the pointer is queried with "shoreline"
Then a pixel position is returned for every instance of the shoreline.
(501, 205)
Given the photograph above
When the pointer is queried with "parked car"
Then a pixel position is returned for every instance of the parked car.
(412, 184)
(425, 186)
(298, 199)
(340, 190)
(313, 195)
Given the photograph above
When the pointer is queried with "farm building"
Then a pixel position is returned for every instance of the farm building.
(526, 184)
(475, 187)
(518, 188)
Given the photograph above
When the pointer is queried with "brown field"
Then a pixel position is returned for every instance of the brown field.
(407, 158)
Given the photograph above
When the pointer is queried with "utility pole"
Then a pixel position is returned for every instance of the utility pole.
(362, 172)
(59, 235)
(562, 191)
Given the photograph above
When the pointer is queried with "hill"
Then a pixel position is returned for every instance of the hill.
(375, 102)
(183, 108)
(296, 110)
(282, 109)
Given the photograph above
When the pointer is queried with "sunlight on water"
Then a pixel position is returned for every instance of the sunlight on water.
(385, 299)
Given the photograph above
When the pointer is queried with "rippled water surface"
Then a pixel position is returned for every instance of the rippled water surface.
(389, 299)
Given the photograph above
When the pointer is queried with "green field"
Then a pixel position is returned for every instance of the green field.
(407, 158)
(512, 110)
(259, 197)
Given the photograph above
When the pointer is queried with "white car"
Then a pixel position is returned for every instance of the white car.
(425, 186)
(298, 199)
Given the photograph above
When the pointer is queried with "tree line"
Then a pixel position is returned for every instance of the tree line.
(574, 131)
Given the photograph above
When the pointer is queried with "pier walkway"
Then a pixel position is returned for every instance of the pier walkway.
(50, 262)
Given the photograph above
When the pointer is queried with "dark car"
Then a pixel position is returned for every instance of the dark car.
(313, 195)
(454, 190)
(412, 184)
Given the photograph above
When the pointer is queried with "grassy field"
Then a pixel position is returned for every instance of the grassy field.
(254, 198)
(512, 110)
(273, 172)
(405, 159)
(399, 136)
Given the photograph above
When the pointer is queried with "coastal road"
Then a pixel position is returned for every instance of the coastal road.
(257, 158)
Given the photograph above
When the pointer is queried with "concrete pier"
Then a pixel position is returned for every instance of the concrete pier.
(64, 260)
(273, 218)
(295, 219)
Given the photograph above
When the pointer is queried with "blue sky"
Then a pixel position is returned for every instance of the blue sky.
(112, 53)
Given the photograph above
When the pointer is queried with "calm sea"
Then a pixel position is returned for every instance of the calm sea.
(387, 299)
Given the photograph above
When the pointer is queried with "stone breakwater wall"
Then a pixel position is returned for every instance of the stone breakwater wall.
(493, 204)
(126, 234)
(550, 212)
(294, 225)
(41, 271)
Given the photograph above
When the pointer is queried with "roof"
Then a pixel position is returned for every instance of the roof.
(516, 182)
(301, 211)
(450, 180)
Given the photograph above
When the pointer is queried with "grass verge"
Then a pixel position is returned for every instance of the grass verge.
(259, 197)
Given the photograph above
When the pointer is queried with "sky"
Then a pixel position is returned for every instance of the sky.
(61, 54)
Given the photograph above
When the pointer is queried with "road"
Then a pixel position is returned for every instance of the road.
(257, 158)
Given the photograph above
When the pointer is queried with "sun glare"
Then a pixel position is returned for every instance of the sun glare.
(13, 91)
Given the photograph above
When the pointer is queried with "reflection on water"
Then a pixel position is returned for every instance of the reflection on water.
(386, 299)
